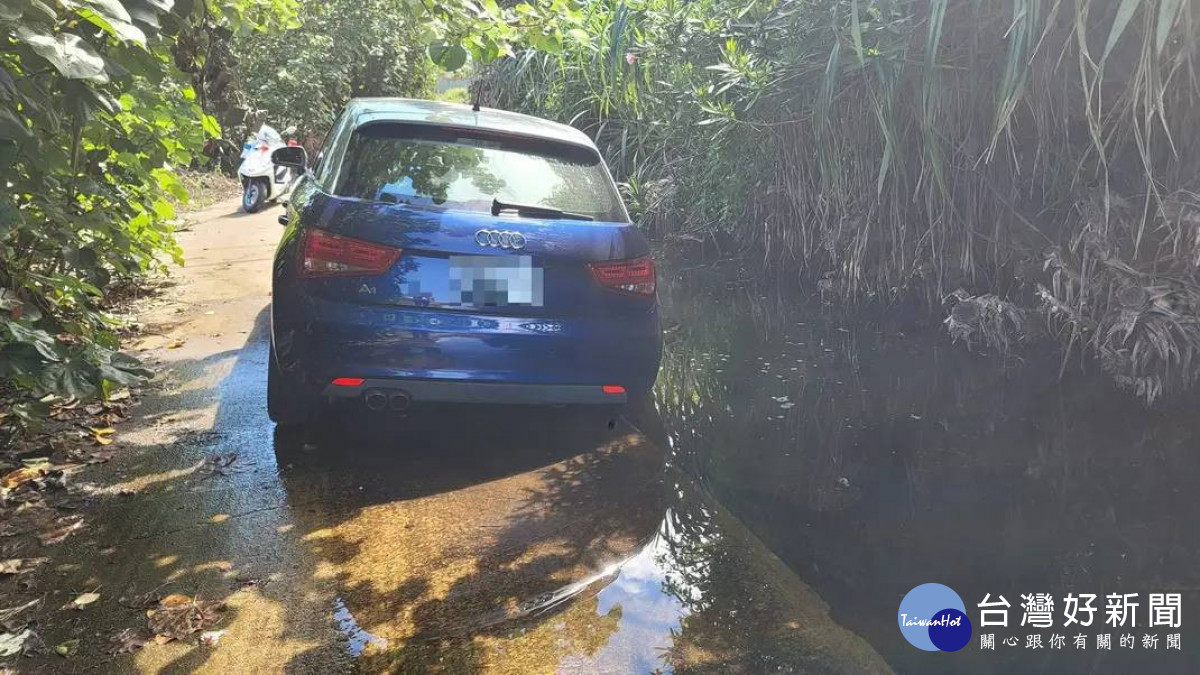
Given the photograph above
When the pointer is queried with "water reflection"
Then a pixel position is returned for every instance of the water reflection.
(544, 542)
(357, 639)
(874, 455)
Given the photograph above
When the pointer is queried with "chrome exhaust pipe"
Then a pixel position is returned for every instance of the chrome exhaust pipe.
(375, 400)
(399, 401)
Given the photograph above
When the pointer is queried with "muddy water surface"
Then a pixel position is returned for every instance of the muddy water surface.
(874, 455)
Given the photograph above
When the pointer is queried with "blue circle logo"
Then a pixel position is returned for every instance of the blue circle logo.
(932, 617)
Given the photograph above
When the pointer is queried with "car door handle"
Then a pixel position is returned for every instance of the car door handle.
(284, 219)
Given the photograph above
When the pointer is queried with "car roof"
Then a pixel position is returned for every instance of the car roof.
(437, 113)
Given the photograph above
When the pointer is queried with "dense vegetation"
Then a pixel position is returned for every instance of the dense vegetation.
(94, 112)
(348, 48)
(102, 101)
(1030, 165)
(342, 49)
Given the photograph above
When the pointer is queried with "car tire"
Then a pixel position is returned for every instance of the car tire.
(285, 406)
(254, 195)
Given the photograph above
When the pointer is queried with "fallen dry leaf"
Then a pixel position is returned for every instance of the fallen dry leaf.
(178, 616)
(20, 565)
(176, 344)
(67, 649)
(82, 601)
(8, 616)
(14, 643)
(17, 477)
(60, 530)
(102, 435)
(220, 464)
(127, 641)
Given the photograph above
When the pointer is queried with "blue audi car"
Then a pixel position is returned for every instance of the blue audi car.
(437, 253)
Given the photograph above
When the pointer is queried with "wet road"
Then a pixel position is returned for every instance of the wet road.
(805, 467)
(458, 540)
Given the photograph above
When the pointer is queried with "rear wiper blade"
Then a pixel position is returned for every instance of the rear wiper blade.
(535, 211)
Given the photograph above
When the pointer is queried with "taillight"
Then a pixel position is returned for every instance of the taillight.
(634, 276)
(328, 254)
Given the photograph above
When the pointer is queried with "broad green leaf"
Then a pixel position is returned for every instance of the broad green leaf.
(73, 377)
(11, 10)
(448, 55)
(109, 9)
(42, 341)
(210, 125)
(11, 127)
(549, 43)
(122, 30)
(69, 54)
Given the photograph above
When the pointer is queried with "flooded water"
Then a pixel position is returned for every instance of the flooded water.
(873, 455)
(535, 542)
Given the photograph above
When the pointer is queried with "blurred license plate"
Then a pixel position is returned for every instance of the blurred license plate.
(495, 281)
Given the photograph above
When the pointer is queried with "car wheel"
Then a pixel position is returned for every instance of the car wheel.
(285, 406)
(254, 195)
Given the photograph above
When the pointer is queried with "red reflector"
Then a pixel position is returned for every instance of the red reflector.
(613, 389)
(328, 254)
(636, 276)
(347, 382)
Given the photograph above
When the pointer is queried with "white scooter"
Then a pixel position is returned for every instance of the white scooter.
(264, 180)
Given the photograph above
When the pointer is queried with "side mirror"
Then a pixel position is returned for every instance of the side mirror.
(293, 156)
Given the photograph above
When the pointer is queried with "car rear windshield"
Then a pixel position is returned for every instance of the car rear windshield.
(446, 168)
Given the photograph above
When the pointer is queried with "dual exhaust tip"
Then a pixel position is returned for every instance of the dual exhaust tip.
(378, 400)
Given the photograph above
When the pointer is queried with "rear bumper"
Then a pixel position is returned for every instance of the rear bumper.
(444, 356)
(433, 391)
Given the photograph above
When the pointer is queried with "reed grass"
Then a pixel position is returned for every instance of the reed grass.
(1044, 152)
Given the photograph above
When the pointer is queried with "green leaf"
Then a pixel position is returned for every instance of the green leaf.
(43, 342)
(1168, 12)
(8, 155)
(13, 128)
(69, 54)
(167, 180)
(73, 377)
(11, 10)
(112, 10)
(124, 370)
(856, 31)
(449, 56)
(210, 125)
(122, 30)
(1124, 13)
(549, 43)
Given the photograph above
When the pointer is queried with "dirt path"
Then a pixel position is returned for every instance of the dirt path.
(457, 541)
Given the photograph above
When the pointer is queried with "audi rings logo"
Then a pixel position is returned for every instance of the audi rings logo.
(500, 239)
